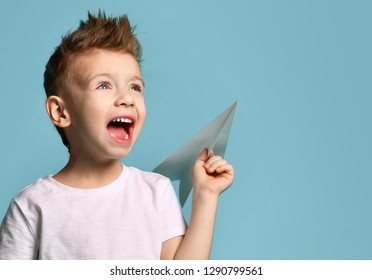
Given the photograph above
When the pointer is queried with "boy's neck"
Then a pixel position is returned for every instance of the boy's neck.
(89, 175)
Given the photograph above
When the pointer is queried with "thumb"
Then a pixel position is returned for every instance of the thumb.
(203, 156)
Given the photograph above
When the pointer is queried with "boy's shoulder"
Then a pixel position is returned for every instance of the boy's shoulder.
(40, 188)
(148, 176)
(45, 189)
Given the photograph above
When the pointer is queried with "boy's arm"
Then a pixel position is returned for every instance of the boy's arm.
(211, 175)
(17, 241)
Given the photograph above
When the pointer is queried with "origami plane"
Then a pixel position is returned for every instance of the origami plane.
(214, 137)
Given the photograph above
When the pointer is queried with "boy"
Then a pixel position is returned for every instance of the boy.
(95, 207)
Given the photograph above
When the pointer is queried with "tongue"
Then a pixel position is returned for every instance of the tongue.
(118, 133)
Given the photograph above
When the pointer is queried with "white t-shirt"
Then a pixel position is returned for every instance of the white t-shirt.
(127, 219)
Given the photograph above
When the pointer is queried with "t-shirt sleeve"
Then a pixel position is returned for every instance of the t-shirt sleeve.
(173, 223)
(17, 240)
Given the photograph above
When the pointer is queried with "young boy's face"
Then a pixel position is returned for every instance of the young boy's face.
(106, 105)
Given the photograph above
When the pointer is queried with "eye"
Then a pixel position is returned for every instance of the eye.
(104, 85)
(136, 87)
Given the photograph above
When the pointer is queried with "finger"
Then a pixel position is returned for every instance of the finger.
(217, 162)
(201, 159)
(210, 154)
(225, 168)
(203, 156)
(211, 160)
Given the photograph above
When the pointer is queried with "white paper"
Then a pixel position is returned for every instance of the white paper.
(214, 136)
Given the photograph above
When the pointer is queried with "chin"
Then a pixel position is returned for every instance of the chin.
(123, 154)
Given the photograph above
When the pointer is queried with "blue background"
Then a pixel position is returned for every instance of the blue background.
(301, 138)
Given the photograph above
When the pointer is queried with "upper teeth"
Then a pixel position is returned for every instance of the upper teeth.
(124, 120)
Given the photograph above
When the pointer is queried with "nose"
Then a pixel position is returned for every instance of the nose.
(125, 98)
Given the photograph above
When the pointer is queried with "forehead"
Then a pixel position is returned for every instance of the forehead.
(97, 61)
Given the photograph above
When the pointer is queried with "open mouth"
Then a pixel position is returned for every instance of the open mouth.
(121, 129)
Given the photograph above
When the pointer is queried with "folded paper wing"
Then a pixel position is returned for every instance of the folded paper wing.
(214, 137)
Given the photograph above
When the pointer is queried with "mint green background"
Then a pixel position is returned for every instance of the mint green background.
(301, 139)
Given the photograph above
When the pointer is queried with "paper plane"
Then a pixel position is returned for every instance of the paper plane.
(214, 137)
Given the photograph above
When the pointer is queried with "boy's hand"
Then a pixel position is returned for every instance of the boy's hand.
(211, 173)
(211, 176)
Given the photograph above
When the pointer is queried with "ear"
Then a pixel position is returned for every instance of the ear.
(57, 111)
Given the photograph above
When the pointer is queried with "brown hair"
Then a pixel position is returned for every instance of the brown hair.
(110, 33)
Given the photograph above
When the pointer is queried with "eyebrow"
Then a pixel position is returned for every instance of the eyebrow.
(133, 78)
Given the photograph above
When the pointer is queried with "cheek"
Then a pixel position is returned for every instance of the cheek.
(141, 121)
(141, 111)
(141, 107)
(86, 120)
(144, 114)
